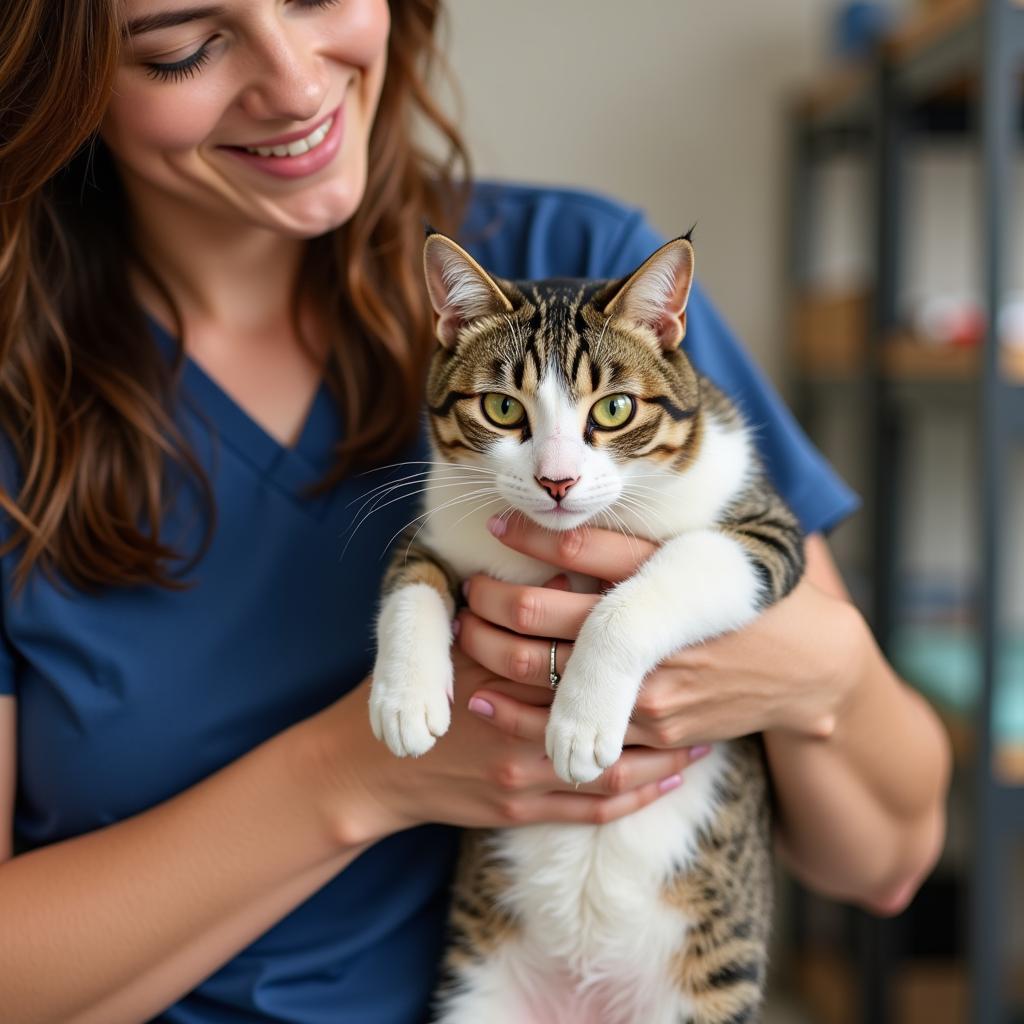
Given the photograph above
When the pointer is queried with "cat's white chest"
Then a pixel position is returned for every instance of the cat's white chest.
(591, 899)
(463, 541)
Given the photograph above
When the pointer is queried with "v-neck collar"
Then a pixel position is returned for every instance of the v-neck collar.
(293, 468)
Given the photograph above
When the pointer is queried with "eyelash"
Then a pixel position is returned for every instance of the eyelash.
(192, 65)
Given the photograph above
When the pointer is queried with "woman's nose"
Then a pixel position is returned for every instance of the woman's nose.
(289, 80)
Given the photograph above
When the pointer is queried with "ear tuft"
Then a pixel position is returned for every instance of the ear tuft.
(654, 296)
(460, 289)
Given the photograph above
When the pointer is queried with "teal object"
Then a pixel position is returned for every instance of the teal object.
(943, 661)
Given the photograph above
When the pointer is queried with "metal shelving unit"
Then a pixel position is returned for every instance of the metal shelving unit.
(932, 76)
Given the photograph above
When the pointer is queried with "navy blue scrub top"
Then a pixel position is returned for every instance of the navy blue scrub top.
(129, 697)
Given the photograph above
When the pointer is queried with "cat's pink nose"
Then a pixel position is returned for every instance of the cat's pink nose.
(558, 489)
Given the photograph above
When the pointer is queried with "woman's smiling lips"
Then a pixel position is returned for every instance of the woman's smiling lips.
(318, 157)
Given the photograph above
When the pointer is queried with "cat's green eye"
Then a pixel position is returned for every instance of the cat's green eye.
(503, 410)
(613, 411)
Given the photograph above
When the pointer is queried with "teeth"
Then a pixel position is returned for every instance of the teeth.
(298, 147)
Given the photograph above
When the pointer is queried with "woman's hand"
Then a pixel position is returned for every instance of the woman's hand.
(775, 674)
(473, 776)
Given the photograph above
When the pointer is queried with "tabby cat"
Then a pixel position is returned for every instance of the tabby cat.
(572, 402)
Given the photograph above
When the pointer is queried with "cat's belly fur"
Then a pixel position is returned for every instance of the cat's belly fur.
(596, 934)
(592, 898)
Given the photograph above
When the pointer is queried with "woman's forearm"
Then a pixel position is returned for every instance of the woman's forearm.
(862, 812)
(113, 926)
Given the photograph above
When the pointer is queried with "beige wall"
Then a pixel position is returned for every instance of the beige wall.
(672, 105)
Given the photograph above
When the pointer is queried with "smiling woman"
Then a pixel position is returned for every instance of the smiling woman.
(213, 323)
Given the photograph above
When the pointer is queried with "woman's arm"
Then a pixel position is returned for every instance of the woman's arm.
(113, 926)
(860, 763)
(862, 810)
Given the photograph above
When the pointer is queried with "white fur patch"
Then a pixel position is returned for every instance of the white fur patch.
(693, 587)
(597, 936)
(411, 691)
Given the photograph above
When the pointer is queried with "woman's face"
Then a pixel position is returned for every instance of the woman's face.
(204, 83)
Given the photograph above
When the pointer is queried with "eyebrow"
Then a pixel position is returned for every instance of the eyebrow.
(168, 19)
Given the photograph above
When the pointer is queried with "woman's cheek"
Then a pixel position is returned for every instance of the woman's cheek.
(147, 122)
(359, 35)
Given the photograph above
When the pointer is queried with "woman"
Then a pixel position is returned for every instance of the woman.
(204, 346)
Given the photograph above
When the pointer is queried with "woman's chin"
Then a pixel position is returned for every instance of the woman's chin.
(312, 216)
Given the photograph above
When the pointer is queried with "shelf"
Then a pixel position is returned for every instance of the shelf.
(839, 101)
(830, 332)
(934, 54)
(936, 48)
(943, 661)
(906, 358)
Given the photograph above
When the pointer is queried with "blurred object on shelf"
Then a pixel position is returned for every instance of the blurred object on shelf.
(830, 331)
(948, 320)
(857, 26)
(930, 6)
(831, 328)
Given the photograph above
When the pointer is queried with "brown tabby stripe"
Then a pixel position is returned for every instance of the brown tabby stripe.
(413, 563)
(771, 535)
(726, 894)
(477, 924)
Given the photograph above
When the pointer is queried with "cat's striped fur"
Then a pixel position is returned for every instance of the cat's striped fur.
(661, 917)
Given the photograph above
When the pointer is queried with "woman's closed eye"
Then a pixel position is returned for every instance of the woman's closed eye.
(187, 67)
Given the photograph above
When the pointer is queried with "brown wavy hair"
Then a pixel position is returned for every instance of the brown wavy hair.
(86, 411)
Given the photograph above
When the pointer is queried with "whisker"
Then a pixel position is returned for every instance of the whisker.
(477, 508)
(378, 502)
(638, 510)
(433, 511)
(405, 497)
(626, 531)
(412, 481)
(428, 462)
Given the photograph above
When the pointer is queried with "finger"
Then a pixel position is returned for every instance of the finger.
(584, 808)
(530, 611)
(519, 658)
(588, 550)
(559, 582)
(513, 717)
(633, 770)
(679, 732)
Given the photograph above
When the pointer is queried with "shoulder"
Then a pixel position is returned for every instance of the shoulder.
(534, 231)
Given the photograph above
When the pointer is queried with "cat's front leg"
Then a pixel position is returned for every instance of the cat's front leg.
(694, 587)
(411, 690)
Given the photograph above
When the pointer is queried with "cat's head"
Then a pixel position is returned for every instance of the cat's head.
(568, 391)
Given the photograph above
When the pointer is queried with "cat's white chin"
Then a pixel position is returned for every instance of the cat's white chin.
(561, 519)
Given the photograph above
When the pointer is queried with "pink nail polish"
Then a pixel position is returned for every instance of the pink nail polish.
(697, 752)
(465, 588)
(670, 783)
(497, 526)
(456, 626)
(481, 707)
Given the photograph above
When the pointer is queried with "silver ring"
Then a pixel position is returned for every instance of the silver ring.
(553, 677)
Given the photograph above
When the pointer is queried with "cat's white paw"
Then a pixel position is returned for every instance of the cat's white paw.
(412, 687)
(407, 716)
(581, 744)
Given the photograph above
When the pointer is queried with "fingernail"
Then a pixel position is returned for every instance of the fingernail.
(481, 707)
(465, 588)
(670, 783)
(696, 752)
(456, 626)
(497, 526)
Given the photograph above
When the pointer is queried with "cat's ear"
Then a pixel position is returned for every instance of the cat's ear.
(655, 294)
(460, 289)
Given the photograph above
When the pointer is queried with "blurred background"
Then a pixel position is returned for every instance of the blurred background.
(851, 169)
